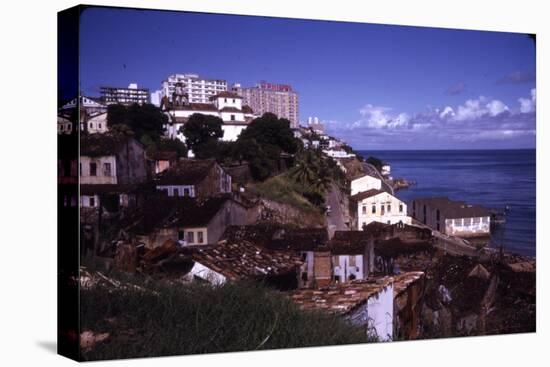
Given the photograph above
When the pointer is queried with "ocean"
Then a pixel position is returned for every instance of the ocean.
(493, 178)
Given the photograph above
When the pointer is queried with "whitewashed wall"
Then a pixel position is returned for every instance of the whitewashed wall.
(393, 216)
(365, 183)
(376, 316)
(100, 178)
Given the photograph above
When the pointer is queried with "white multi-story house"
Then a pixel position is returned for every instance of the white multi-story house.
(94, 124)
(198, 90)
(225, 105)
(379, 206)
(455, 218)
(365, 183)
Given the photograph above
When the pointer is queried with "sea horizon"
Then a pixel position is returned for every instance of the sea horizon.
(443, 150)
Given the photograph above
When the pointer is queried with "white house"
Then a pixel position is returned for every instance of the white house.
(337, 153)
(455, 218)
(226, 105)
(367, 304)
(365, 183)
(95, 124)
(64, 125)
(379, 206)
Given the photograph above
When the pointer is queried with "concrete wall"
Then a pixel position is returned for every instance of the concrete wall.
(131, 163)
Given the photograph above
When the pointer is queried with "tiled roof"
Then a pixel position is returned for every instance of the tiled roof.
(225, 95)
(340, 298)
(394, 247)
(231, 109)
(452, 209)
(243, 260)
(164, 155)
(186, 172)
(195, 107)
(247, 109)
(277, 237)
(366, 194)
(403, 281)
(161, 211)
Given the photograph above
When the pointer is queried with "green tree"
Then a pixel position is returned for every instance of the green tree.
(376, 162)
(202, 131)
(270, 130)
(144, 119)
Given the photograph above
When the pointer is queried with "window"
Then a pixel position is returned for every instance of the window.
(91, 201)
(225, 99)
(382, 207)
(185, 192)
(99, 126)
(190, 237)
(389, 208)
(200, 237)
(233, 100)
(364, 209)
(181, 235)
(90, 125)
(232, 117)
(107, 169)
(93, 169)
(176, 192)
(400, 208)
(373, 209)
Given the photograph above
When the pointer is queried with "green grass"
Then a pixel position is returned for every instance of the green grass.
(284, 190)
(176, 319)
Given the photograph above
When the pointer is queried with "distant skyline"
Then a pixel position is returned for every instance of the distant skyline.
(375, 86)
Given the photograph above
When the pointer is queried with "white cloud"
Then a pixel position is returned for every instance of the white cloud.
(527, 105)
(379, 117)
(474, 109)
(496, 107)
(447, 111)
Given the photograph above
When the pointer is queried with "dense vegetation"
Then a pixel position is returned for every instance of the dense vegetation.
(170, 319)
(260, 144)
(376, 162)
(146, 124)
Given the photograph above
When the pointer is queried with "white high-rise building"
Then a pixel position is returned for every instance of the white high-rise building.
(199, 90)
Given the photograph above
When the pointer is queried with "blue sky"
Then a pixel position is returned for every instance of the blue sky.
(375, 86)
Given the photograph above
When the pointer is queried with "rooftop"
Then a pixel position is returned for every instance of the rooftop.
(366, 194)
(340, 298)
(225, 95)
(453, 209)
(243, 259)
(161, 211)
(278, 237)
(186, 172)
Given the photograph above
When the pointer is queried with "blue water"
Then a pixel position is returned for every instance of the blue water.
(493, 178)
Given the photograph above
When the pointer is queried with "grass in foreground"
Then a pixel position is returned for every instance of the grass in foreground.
(197, 318)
